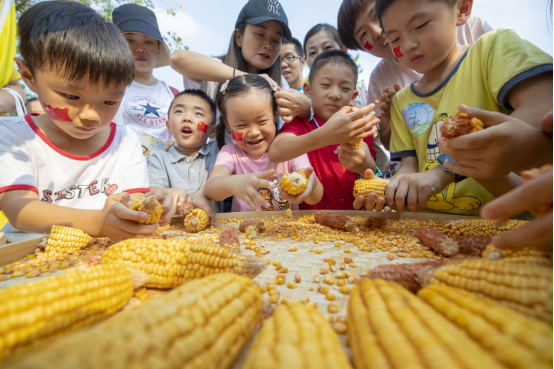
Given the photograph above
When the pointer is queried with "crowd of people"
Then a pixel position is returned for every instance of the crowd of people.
(248, 117)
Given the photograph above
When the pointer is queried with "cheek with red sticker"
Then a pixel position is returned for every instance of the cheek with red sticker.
(397, 52)
(201, 126)
(57, 113)
(368, 46)
(237, 136)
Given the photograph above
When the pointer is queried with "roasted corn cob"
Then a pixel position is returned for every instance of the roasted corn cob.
(196, 220)
(296, 336)
(527, 288)
(252, 222)
(170, 263)
(63, 239)
(294, 183)
(460, 124)
(363, 187)
(516, 340)
(388, 327)
(481, 228)
(37, 310)
(150, 206)
(203, 324)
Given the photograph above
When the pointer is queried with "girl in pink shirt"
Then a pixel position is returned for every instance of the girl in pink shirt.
(243, 169)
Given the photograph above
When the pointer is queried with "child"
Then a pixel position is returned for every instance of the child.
(242, 169)
(332, 88)
(146, 101)
(61, 167)
(359, 29)
(499, 72)
(292, 63)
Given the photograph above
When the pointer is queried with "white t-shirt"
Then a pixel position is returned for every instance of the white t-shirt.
(30, 161)
(144, 109)
(389, 71)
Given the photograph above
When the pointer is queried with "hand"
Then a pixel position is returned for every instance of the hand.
(274, 85)
(386, 100)
(546, 124)
(245, 187)
(199, 200)
(168, 210)
(169, 144)
(343, 127)
(292, 103)
(534, 194)
(373, 203)
(312, 184)
(351, 157)
(179, 196)
(506, 145)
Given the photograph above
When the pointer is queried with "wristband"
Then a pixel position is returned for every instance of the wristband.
(441, 159)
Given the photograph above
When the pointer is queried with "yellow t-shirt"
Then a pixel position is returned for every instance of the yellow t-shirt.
(482, 79)
(15, 75)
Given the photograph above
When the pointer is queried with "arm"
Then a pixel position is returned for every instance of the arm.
(200, 67)
(7, 102)
(385, 118)
(499, 186)
(532, 98)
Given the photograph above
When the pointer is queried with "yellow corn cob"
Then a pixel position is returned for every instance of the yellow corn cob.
(33, 311)
(481, 227)
(389, 327)
(196, 220)
(528, 288)
(203, 324)
(296, 336)
(524, 255)
(170, 263)
(294, 183)
(516, 340)
(150, 206)
(363, 187)
(63, 239)
(356, 143)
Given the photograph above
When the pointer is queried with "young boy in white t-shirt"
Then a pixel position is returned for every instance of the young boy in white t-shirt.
(73, 156)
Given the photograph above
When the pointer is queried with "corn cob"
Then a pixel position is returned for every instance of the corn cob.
(196, 220)
(37, 310)
(516, 340)
(228, 238)
(63, 239)
(249, 222)
(294, 183)
(296, 336)
(150, 206)
(185, 208)
(527, 288)
(524, 255)
(363, 187)
(481, 228)
(251, 232)
(171, 263)
(331, 220)
(356, 143)
(203, 324)
(448, 245)
(405, 275)
(388, 327)
(460, 124)
(374, 222)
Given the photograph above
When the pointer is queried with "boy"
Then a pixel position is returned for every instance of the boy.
(61, 167)
(184, 169)
(292, 63)
(499, 72)
(332, 88)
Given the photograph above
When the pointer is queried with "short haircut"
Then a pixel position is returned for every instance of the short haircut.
(322, 27)
(335, 57)
(198, 93)
(297, 45)
(31, 100)
(75, 40)
(349, 11)
(382, 5)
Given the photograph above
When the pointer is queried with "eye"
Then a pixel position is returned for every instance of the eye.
(72, 97)
(328, 47)
(362, 36)
(325, 85)
(423, 25)
(346, 89)
(259, 34)
(395, 40)
(110, 103)
(178, 111)
(311, 53)
(198, 113)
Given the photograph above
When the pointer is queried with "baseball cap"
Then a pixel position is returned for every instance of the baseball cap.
(260, 11)
(136, 18)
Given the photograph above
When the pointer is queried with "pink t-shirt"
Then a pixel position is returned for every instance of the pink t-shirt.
(240, 162)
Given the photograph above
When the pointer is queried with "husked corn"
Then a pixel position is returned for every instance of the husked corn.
(481, 228)
(150, 206)
(63, 239)
(363, 187)
(196, 220)
(294, 183)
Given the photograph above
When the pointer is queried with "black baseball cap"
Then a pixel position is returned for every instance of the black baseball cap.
(139, 19)
(260, 11)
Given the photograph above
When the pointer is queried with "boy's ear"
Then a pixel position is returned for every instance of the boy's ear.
(354, 96)
(213, 131)
(307, 91)
(168, 126)
(26, 74)
(464, 11)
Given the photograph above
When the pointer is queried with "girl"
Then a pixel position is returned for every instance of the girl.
(242, 169)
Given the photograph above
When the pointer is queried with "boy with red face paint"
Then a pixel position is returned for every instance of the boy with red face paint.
(73, 166)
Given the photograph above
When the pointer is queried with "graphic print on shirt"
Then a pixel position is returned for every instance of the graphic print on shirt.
(267, 196)
(418, 117)
(283, 204)
(146, 111)
(78, 191)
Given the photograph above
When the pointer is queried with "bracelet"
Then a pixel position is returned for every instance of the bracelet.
(234, 72)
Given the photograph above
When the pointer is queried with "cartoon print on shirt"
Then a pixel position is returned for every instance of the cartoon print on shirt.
(79, 191)
(283, 204)
(146, 111)
(267, 196)
(446, 200)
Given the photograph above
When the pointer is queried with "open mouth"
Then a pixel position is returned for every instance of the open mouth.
(264, 56)
(186, 132)
(286, 74)
(141, 58)
(256, 142)
(85, 129)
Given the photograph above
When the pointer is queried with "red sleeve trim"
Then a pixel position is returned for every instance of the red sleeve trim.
(135, 190)
(174, 91)
(18, 187)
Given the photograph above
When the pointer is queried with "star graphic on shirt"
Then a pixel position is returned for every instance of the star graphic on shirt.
(149, 109)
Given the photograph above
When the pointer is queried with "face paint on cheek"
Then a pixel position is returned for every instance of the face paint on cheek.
(57, 113)
(368, 46)
(201, 126)
(237, 136)
(397, 52)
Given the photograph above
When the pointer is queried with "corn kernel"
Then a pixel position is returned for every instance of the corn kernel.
(345, 290)
(341, 282)
(333, 309)
(330, 296)
(291, 285)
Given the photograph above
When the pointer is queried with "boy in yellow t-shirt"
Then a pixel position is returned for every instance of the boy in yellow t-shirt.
(499, 72)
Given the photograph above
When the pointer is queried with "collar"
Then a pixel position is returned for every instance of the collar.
(175, 155)
(318, 121)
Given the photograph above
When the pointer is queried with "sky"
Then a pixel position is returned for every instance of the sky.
(206, 25)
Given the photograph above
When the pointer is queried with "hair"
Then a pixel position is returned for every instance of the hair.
(30, 100)
(200, 94)
(297, 45)
(346, 21)
(382, 5)
(239, 86)
(322, 27)
(335, 57)
(75, 40)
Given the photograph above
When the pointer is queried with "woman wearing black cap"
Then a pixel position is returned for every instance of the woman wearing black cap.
(147, 100)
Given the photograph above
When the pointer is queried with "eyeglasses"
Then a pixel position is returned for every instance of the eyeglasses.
(290, 59)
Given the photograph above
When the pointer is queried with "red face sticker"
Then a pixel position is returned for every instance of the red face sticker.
(57, 113)
(368, 46)
(202, 127)
(237, 136)
(397, 52)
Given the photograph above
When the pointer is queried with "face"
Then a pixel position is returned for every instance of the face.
(260, 44)
(145, 51)
(253, 124)
(318, 43)
(369, 35)
(291, 71)
(421, 33)
(35, 107)
(190, 122)
(333, 87)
